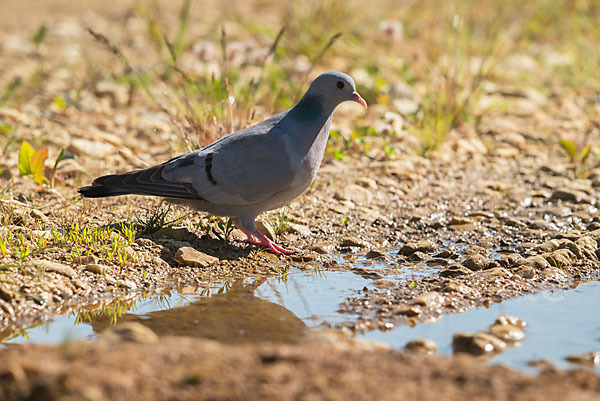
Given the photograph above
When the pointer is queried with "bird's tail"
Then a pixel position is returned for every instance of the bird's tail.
(141, 182)
(101, 191)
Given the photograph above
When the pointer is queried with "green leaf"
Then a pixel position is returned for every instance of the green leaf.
(37, 165)
(39, 35)
(569, 147)
(585, 152)
(25, 155)
(61, 103)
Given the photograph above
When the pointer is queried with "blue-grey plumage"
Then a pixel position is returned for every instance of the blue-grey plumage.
(248, 172)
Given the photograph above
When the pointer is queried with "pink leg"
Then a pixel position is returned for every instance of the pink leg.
(259, 239)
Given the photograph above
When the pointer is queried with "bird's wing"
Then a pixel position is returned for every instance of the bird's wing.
(246, 167)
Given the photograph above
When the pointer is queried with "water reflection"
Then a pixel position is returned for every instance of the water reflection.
(235, 316)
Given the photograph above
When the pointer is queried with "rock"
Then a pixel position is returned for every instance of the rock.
(128, 284)
(130, 331)
(179, 234)
(525, 271)
(55, 267)
(421, 346)
(539, 224)
(548, 246)
(420, 246)
(7, 308)
(560, 258)
(266, 229)
(85, 259)
(455, 271)
(340, 341)
(353, 242)
(590, 359)
(410, 311)
(480, 343)
(418, 257)
(507, 332)
(95, 268)
(505, 319)
(476, 262)
(431, 299)
(553, 274)
(354, 193)
(6, 294)
(374, 254)
(453, 286)
(88, 147)
(367, 183)
(538, 262)
(570, 195)
(190, 257)
(322, 248)
(497, 272)
(299, 229)
(456, 221)
(510, 260)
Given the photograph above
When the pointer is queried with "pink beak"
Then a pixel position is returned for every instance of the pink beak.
(356, 97)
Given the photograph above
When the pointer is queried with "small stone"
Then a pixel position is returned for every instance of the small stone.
(560, 258)
(539, 225)
(128, 284)
(510, 260)
(266, 229)
(55, 267)
(6, 294)
(418, 257)
(507, 332)
(525, 271)
(188, 256)
(85, 259)
(322, 248)
(497, 272)
(410, 311)
(353, 242)
(538, 262)
(179, 234)
(421, 346)
(553, 274)
(457, 221)
(420, 246)
(431, 299)
(475, 262)
(130, 331)
(505, 319)
(454, 286)
(480, 343)
(95, 268)
(455, 271)
(590, 359)
(337, 339)
(299, 229)
(354, 193)
(374, 254)
(548, 246)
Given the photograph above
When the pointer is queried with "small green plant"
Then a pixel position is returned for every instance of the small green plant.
(31, 162)
(578, 156)
(281, 225)
(226, 229)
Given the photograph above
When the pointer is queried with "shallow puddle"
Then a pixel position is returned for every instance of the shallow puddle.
(560, 323)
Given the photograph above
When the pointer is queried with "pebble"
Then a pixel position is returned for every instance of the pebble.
(299, 229)
(497, 272)
(589, 359)
(505, 319)
(95, 268)
(421, 346)
(571, 195)
(455, 271)
(480, 343)
(431, 299)
(6, 294)
(266, 229)
(55, 267)
(507, 332)
(85, 259)
(476, 262)
(375, 254)
(322, 248)
(560, 258)
(525, 271)
(354, 193)
(538, 262)
(353, 242)
(189, 256)
(420, 246)
(129, 331)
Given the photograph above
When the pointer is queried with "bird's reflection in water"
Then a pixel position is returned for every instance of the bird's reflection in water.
(236, 316)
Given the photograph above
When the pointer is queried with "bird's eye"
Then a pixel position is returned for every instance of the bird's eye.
(340, 84)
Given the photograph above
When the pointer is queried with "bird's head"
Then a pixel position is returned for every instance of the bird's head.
(337, 87)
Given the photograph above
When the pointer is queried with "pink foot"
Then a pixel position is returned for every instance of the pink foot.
(259, 239)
